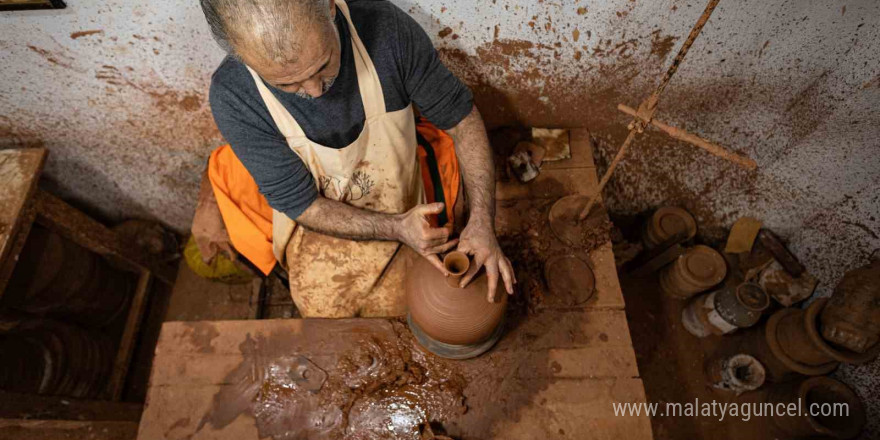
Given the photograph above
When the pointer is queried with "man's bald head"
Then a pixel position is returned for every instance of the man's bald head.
(272, 29)
(292, 44)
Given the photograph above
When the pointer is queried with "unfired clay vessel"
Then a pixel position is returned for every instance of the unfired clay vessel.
(852, 317)
(447, 313)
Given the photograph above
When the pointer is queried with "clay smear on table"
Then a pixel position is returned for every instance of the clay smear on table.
(383, 388)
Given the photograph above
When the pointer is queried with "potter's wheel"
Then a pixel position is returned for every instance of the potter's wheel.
(451, 351)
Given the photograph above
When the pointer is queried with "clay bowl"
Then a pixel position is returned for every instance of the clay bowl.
(447, 313)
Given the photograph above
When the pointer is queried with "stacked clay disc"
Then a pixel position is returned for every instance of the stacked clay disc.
(58, 278)
(50, 357)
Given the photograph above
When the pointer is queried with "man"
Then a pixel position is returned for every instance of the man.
(316, 99)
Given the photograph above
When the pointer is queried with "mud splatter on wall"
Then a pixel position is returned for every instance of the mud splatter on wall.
(117, 92)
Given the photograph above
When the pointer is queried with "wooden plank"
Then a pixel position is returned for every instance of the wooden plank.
(83, 230)
(564, 329)
(8, 266)
(576, 363)
(550, 184)
(19, 173)
(511, 221)
(67, 429)
(581, 152)
(129, 337)
(587, 350)
(608, 293)
(581, 409)
(33, 406)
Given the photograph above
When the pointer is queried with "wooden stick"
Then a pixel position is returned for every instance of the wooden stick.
(607, 175)
(650, 104)
(697, 141)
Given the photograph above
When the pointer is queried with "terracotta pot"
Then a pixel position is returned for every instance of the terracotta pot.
(666, 222)
(790, 343)
(817, 393)
(447, 314)
(695, 271)
(798, 335)
(737, 373)
(852, 317)
(726, 310)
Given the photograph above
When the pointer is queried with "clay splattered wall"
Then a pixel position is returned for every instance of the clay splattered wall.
(117, 91)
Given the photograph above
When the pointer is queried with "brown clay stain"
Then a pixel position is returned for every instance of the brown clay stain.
(660, 45)
(581, 10)
(200, 335)
(761, 52)
(79, 34)
(50, 57)
(374, 381)
(445, 32)
(575, 34)
(180, 423)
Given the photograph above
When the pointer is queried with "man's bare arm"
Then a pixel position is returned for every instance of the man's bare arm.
(411, 228)
(478, 172)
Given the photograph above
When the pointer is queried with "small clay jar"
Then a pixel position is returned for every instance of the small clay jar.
(666, 222)
(737, 373)
(742, 305)
(852, 317)
(726, 310)
(817, 392)
(447, 313)
(697, 270)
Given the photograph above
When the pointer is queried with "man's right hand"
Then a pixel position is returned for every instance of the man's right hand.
(414, 230)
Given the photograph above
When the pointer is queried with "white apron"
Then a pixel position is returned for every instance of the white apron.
(379, 171)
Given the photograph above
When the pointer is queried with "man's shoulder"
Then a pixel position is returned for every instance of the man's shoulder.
(375, 19)
(230, 72)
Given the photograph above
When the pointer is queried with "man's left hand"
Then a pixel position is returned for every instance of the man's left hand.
(478, 239)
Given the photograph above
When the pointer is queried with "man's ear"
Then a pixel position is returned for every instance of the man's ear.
(332, 9)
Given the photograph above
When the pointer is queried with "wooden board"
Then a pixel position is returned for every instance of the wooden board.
(67, 429)
(575, 364)
(19, 172)
(555, 374)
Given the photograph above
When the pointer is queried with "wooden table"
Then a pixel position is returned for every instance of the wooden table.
(554, 375)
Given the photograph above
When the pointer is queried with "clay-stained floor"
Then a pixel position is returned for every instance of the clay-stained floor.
(671, 366)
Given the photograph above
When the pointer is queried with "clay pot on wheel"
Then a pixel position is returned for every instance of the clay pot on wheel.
(449, 321)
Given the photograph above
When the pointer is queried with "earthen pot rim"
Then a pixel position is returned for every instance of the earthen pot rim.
(686, 217)
(856, 407)
(770, 332)
(764, 304)
(714, 257)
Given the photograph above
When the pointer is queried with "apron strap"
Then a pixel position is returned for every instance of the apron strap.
(368, 78)
(283, 119)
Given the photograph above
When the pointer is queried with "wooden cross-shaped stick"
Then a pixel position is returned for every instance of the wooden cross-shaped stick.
(645, 115)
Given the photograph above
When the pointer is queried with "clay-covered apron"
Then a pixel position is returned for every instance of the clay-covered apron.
(332, 277)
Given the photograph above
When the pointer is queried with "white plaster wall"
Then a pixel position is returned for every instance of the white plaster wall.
(794, 84)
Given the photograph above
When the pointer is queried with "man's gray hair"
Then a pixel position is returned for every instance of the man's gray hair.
(270, 25)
